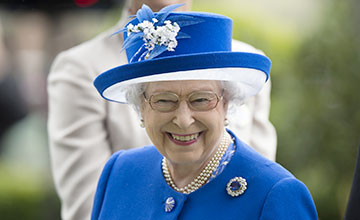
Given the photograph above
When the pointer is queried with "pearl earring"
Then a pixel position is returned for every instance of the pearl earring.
(226, 122)
(142, 123)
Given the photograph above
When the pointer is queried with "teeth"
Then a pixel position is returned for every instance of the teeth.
(185, 138)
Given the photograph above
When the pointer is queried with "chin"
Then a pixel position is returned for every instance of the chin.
(182, 157)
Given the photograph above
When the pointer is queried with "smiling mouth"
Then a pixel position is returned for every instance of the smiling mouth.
(184, 139)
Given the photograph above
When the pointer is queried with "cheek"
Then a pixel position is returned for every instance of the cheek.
(153, 124)
(147, 113)
(221, 115)
(153, 130)
(216, 124)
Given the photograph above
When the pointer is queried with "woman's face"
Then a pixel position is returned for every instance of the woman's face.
(184, 135)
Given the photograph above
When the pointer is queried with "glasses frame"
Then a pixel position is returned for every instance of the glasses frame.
(186, 98)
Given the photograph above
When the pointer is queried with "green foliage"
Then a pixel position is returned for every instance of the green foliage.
(319, 144)
(23, 196)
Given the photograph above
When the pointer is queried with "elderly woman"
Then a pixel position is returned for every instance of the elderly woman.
(182, 77)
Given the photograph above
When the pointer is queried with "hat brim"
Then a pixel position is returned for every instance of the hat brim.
(249, 70)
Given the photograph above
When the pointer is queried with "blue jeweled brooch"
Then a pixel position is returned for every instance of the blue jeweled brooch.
(169, 204)
(236, 186)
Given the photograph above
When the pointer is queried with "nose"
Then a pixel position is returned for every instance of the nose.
(183, 115)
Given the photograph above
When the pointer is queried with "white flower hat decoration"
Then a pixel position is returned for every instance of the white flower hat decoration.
(170, 45)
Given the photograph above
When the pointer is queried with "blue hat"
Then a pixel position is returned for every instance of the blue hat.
(169, 45)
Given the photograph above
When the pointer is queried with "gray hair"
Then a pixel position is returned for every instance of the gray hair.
(233, 94)
(134, 96)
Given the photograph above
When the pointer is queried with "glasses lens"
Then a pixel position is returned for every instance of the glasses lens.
(164, 102)
(203, 101)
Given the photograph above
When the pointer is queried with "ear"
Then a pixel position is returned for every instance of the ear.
(226, 105)
(142, 108)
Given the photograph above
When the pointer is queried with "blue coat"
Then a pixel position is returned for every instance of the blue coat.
(132, 186)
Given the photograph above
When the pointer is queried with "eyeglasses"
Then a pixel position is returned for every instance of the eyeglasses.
(197, 101)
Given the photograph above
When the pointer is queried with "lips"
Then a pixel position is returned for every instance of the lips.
(184, 139)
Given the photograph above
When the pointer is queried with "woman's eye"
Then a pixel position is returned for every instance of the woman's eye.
(164, 101)
(200, 100)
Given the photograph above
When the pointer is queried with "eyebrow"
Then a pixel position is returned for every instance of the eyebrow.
(195, 90)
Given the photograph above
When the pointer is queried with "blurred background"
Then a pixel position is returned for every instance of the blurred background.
(314, 47)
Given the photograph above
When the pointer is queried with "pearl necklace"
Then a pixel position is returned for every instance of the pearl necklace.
(205, 174)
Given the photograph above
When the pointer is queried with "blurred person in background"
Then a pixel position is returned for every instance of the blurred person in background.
(35, 28)
(85, 130)
(12, 103)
